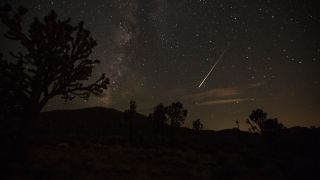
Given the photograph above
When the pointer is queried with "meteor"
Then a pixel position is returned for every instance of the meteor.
(204, 79)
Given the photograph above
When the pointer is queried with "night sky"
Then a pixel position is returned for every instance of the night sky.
(161, 50)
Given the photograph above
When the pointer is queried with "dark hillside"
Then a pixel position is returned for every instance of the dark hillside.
(89, 122)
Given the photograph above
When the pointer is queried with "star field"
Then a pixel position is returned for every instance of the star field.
(159, 51)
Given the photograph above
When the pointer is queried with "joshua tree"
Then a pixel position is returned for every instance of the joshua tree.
(55, 61)
(197, 127)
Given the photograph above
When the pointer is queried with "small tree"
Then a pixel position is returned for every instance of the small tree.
(272, 125)
(258, 122)
(258, 117)
(160, 118)
(197, 127)
(159, 114)
(177, 114)
(133, 106)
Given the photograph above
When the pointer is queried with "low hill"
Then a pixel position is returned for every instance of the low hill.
(99, 121)
(90, 121)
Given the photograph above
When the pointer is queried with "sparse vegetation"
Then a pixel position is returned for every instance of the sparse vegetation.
(258, 122)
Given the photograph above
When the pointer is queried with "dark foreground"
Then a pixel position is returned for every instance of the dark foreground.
(89, 150)
(220, 160)
(115, 161)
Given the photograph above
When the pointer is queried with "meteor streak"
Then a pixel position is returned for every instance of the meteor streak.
(204, 79)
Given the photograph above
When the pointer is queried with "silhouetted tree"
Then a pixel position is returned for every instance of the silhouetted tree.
(257, 117)
(133, 106)
(272, 125)
(177, 114)
(258, 122)
(55, 61)
(160, 119)
(197, 127)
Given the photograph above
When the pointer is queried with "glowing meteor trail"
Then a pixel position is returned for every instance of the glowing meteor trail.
(204, 79)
